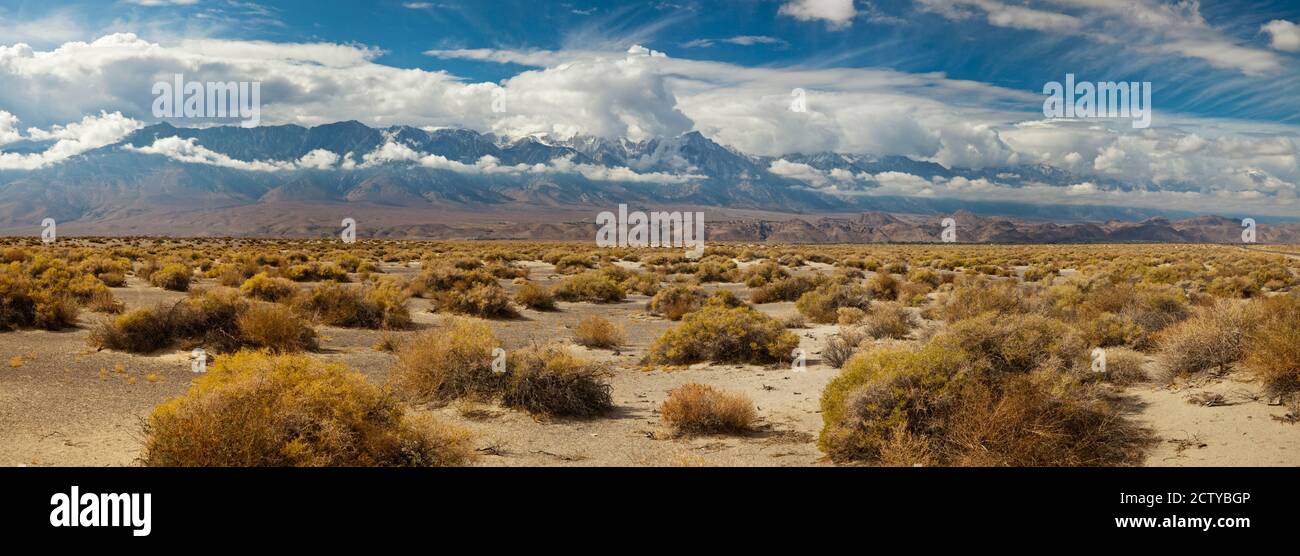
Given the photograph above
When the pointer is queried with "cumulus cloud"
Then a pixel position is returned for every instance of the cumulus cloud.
(70, 140)
(9, 128)
(188, 150)
(1283, 35)
(837, 14)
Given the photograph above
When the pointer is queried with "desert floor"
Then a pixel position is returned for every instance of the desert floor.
(62, 403)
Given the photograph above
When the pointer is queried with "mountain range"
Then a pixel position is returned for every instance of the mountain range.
(446, 183)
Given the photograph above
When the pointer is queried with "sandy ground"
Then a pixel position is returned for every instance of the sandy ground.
(63, 403)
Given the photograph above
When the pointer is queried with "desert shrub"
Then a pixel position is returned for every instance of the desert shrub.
(378, 306)
(973, 297)
(820, 305)
(598, 332)
(1018, 344)
(1124, 366)
(55, 311)
(251, 409)
(1038, 419)
(316, 272)
(784, 289)
(535, 297)
(714, 270)
(262, 286)
(699, 409)
(1213, 339)
(449, 362)
(884, 286)
(888, 320)
(174, 276)
(488, 301)
(880, 391)
(723, 334)
(1155, 309)
(444, 277)
(936, 405)
(573, 264)
(1233, 287)
(847, 316)
(841, 347)
(104, 302)
(113, 279)
(762, 274)
(1109, 329)
(1273, 352)
(924, 276)
(551, 381)
(139, 331)
(674, 302)
(794, 320)
(591, 286)
(276, 328)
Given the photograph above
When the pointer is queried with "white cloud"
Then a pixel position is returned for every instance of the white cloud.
(799, 171)
(837, 14)
(740, 40)
(9, 128)
(72, 139)
(1003, 15)
(188, 150)
(1284, 35)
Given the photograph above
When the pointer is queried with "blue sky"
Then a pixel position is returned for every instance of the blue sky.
(958, 82)
(901, 35)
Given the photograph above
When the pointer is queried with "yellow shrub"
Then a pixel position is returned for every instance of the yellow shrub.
(254, 410)
(724, 334)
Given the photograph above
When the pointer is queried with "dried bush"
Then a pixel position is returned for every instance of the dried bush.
(1213, 339)
(674, 302)
(535, 297)
(883, 286)
(1273, 352)
(1124, 366)
(551, 381)
(841, 347)
(784, 289)
(598, 332)
(888, 320)
(449, 362)
(724, 334)
(592, 286)
(255, 410)
(275, 328)
(377, 306)
(821, 305)
(487, 301)
(939, 405)
(174, 276)
(262, 286)
(699, 409)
